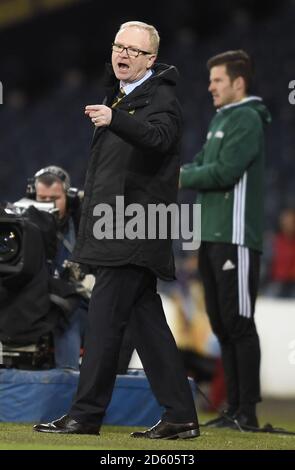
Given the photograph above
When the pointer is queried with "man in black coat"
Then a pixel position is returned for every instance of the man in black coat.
(134, 159)
(52, 184)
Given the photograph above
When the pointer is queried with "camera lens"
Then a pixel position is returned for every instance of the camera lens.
(10, 243)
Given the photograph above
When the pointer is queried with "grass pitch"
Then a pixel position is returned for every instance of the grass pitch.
(22, 437)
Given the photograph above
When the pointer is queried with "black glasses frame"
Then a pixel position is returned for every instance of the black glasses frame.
(127, 49)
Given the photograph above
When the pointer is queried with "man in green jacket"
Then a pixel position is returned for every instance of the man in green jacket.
(228, 174)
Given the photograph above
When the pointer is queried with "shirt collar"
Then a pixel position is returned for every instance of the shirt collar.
(244, 100)
(129, 87)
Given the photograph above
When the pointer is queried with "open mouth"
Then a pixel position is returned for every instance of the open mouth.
(123, 66)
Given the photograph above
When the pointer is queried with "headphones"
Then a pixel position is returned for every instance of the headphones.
(53, 170)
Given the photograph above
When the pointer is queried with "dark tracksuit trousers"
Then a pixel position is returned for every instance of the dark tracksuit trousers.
(128, 295)
(230, 275)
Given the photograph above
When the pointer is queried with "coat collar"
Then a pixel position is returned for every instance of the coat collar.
(167, 73)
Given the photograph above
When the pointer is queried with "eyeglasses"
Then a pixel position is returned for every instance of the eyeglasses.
(131, 51)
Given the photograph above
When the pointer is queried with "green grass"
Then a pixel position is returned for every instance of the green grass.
(21, 436)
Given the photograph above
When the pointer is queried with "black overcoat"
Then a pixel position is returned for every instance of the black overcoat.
(136, 156)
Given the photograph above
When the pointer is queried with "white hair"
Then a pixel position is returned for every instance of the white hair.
(153, 33)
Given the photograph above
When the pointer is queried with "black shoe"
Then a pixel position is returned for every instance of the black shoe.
(165, 430)
(67, 425)
(223, 421)
(244, 422)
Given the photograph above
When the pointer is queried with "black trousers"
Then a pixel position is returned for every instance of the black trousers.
(127, 295)
(230, 275)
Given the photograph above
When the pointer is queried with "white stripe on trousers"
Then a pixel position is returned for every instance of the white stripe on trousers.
(243, 280)
(239, 207)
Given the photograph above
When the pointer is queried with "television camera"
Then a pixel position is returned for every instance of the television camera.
(32, 299)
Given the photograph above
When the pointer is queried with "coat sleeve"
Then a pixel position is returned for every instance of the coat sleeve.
(199, 157)
(240, 148)
(159, 132)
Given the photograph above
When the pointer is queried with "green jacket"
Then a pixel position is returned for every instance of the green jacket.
(228, 172)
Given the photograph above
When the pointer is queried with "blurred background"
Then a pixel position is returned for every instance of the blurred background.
(52, 61)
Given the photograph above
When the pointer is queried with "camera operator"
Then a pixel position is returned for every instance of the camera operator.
(52, 184)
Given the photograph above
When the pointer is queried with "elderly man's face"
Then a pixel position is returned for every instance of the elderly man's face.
(130, 69)
(54, 193)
